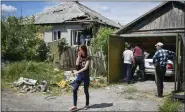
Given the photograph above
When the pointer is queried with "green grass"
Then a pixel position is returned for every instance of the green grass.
(34, 70)
(130, 90)
(40, 71)
(98, 82)
(170, 105)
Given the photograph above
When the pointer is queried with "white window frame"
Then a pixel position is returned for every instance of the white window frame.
(56, 35)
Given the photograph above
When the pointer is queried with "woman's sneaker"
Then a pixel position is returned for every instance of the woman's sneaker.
(73, 108)
(86, 107)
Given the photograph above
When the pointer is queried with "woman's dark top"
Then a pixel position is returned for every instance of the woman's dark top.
(82, 63)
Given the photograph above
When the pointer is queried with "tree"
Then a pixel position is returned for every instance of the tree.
(19, 39)
(101, 41)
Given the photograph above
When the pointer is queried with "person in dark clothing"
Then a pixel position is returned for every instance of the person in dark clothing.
(139, 61)
(82, 73)
(160, 60)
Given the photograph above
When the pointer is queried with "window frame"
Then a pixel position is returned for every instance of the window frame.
(57, 38)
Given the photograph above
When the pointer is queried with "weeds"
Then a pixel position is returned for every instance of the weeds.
(99, 82)
(130, 90)
(34, 70)
(170, 105)
(42, 71)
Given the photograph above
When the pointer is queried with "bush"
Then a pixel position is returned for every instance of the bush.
(101, 41)
(62, 45)
(42, 51)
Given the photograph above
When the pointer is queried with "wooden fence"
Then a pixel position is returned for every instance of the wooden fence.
(67, 60)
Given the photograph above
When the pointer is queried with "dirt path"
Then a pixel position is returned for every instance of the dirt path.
(120, 97)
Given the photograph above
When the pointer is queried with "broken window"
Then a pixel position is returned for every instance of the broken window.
(79, 37)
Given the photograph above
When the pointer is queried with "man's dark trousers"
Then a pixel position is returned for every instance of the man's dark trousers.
(159, 78)
(139, 61)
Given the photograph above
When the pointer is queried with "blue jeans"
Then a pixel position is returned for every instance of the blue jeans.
(85, 78)
(127, 71)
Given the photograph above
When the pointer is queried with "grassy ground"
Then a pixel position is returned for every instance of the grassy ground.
(170, 105)
(34, 70)
(41, 71)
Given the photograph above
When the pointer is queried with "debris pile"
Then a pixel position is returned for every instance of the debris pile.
(30, 85)
(70, 80)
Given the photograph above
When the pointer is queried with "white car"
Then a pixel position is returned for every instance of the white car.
(150, 69)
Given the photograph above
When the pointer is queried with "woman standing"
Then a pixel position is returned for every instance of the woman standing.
(82, 64)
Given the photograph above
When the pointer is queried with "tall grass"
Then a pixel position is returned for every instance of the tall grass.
(34, 70)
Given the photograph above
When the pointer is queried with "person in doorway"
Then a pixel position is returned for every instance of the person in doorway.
(160, 60)
(139, 61)
(82, 63)
(128, 61)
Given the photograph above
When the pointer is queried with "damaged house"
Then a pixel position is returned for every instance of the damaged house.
(73, 21)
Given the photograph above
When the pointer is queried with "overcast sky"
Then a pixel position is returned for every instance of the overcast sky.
(122, 12)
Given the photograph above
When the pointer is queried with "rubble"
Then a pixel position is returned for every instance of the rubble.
(43, 86)
(25, 81)
(29, 85)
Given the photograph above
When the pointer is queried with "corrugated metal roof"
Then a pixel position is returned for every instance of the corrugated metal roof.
(69, 10)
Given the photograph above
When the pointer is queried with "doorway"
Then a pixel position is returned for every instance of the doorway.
(116, 47)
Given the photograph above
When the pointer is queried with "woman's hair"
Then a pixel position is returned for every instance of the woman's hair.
(84, 48)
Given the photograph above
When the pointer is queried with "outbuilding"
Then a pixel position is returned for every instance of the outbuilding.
(165, 23)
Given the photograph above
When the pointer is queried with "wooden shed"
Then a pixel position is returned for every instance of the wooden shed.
(165, 23)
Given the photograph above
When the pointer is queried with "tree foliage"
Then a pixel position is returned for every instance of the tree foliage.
(62, 45)
(101, 41)
(20, 40)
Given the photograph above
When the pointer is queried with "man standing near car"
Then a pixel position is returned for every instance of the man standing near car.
(160, 60)
(128, 63)
(139, 60)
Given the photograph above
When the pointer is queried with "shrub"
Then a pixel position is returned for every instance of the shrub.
(101, 41)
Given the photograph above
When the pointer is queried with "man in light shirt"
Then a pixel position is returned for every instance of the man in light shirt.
(128, 62)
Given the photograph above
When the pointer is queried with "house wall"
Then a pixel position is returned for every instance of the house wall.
(65, 31)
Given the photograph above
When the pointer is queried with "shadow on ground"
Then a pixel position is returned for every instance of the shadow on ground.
(166, 78)
(102, 105)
